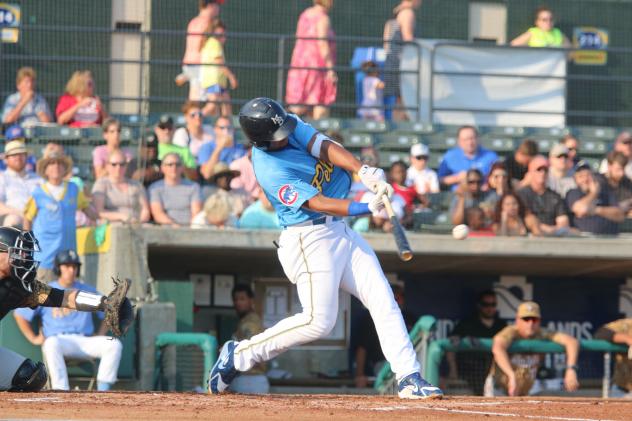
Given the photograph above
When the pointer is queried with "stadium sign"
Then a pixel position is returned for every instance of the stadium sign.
(10, 15)
(591, 42)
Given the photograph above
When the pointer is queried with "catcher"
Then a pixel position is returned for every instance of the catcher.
(516, 375)
(619, 332)
(19, 288)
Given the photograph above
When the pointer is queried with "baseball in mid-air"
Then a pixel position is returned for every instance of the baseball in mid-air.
(460, 232)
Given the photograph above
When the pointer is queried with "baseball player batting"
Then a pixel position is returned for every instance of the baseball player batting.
(305, 175)
(19, 288)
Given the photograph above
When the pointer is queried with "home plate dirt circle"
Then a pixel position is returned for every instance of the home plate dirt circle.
(190, 406)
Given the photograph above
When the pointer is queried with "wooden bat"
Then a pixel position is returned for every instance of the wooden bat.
(403, 248)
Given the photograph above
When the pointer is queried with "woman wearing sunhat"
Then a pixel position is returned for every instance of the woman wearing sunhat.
(50, 212)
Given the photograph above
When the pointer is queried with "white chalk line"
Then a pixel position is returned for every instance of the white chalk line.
(42, 399)
(493, 414)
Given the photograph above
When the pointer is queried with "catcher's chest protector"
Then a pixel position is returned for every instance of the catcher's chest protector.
(11, 295)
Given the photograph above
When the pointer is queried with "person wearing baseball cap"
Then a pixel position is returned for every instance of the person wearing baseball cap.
(17, 182)
(424, 179)
(516, 374)
(560, 176)
(541, 201)
(593, 204)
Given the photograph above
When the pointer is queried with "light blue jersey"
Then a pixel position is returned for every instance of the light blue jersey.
(292, 175)
(57, 321)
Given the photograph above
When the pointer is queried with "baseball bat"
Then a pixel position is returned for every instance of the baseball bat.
(403, 248)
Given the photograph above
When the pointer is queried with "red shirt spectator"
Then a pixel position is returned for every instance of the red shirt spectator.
(79, 107)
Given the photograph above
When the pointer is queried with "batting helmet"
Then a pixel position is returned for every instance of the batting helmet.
(66, 257)
(264, 120)
(21, 247)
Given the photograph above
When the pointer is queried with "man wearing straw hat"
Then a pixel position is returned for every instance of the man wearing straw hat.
(50, 212)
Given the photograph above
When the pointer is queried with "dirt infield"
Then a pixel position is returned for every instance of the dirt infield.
(183, 406)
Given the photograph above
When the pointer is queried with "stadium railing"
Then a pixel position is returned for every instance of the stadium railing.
(438, 348)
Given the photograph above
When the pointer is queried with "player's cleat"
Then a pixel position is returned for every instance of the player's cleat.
(224, 371)
(414, 386)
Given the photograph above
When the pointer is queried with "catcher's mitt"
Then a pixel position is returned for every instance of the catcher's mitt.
(119, 312)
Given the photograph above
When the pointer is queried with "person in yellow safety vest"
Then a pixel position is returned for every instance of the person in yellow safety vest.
(543, 34)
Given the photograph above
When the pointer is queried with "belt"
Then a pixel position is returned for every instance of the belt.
(318, 221)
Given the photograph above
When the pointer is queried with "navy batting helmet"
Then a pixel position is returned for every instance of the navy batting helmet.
(66, 257)
(264, 120)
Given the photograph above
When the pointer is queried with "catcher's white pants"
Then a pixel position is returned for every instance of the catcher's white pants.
(55, 348)
(9, 363)
(319, 259)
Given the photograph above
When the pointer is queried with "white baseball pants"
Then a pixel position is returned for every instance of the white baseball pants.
(55, 348)
(319, 259)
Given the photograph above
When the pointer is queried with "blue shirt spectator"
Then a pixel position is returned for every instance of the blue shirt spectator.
(25, 107)
(467, 155)
(259, 215)
(227, 154)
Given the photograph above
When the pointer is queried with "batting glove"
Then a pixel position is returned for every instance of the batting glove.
(371, 177)
(376, 203)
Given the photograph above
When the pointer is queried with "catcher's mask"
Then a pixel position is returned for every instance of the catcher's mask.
(21, 247)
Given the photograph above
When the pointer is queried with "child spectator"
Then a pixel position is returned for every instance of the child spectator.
(372, 94)
(511, 217)
(217, 213)
(25, 107)
(79, 106)
(424, 179)
(100, 154)
(477, 223)
(216, 76)
(469, 194)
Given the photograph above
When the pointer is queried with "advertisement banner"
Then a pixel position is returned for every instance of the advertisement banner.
(10, 16)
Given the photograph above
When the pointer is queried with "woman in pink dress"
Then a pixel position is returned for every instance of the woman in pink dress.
(313, 90)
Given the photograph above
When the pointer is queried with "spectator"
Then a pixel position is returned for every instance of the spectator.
(164, 133)
(380, 221)
(193, 135)
(397, 178)
(173, 200)
(16, 184)
(544, 203)
(476, 221)
(511, 217)
(623, 144)
(217, 78)
(191, 69)
(50, 212)
(260, 215)
(315, 47)
(16, 132)
(497, 186)
(424, 179)
(485, 323)
(221, 180)
(518, 164)
(100, 154)
(368, 353)
(25, 107)
(372, 93)
(516, 374)
(619, 332)
(617, 181)
(246, 180)
(71, 333)
(117, 198)
(543, 34)
(217, 213)
(78, 106)
(253, 381)
(560, 178)
(469, 194)
(594, 207)
(397, 30)
(572, 144)
(224, 149)
(148, 170)
(467, 155)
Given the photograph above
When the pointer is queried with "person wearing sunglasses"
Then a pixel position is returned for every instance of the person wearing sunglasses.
(543, 33)
(572, 144)
(194, 134)
(515, 375)
(547, 206)
(419, 175)
(469, 194)
(623, 144)
(112, 135)
(560, 177)
(483, 323)
(223, 149)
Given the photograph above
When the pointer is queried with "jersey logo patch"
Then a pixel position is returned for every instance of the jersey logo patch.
(288, 195)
